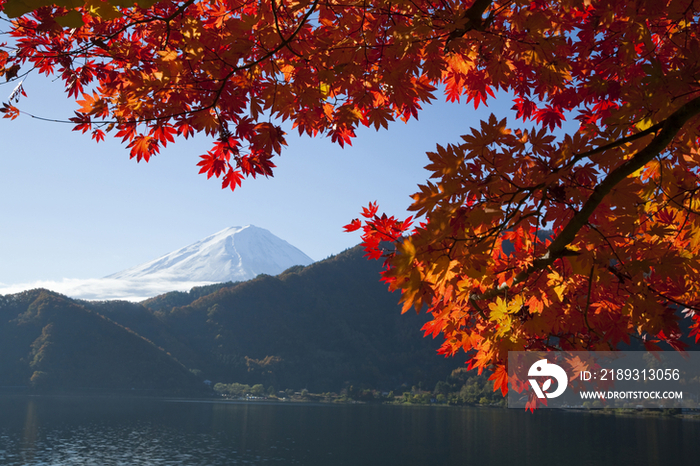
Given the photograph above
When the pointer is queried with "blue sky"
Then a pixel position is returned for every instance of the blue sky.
(73, 208)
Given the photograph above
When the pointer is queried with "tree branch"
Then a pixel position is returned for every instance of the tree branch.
(614, 144)
(668, 130)
(473, 18)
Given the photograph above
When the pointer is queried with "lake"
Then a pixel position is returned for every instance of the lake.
(70, 431)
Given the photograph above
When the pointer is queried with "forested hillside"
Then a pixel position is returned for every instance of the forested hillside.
(49, 342)
(322, 327)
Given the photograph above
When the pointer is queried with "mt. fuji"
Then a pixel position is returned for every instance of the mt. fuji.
(233, 254)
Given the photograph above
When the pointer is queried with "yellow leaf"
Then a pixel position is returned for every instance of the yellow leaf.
(559, 290)
(515, 304)
(638, 173)
(498, 309)
(504, 326)
(558, 284)
(501, 312)
(167, 55)
(644, 124)
(102, 9)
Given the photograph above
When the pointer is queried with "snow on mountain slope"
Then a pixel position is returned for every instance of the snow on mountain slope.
(233, 254)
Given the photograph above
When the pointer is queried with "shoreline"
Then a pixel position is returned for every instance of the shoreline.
(326, 401)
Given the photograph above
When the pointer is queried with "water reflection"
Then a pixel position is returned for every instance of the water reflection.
(106, 432)
(29, 435)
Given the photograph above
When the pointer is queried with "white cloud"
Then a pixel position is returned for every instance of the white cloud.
(105, 288)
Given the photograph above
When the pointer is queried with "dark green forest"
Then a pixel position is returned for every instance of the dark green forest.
(328, 327)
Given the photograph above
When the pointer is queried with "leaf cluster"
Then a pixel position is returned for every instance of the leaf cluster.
(618, 189)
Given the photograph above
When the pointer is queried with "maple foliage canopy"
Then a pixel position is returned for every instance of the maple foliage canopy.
(603, 151)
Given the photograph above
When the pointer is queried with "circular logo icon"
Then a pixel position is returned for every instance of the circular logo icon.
(544, 368)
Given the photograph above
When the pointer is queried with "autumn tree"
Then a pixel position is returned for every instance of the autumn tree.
(603, 152)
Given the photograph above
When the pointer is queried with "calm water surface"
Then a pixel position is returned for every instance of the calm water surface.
(106, 432)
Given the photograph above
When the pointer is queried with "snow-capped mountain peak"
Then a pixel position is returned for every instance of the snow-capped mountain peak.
(233, 254)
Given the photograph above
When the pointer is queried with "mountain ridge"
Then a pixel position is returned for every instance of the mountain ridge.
(51, 342)
(323, 327)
